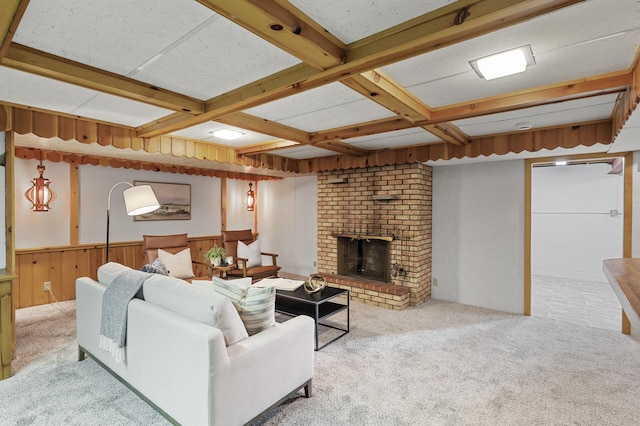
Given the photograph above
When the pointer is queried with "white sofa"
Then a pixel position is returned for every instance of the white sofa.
(183, 368)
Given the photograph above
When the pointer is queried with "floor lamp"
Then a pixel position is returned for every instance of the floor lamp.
(137, 200)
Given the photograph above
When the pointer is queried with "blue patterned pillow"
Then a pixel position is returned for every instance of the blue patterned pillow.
(155, 267)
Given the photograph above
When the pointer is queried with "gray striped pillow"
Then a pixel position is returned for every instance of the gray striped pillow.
(256, 306)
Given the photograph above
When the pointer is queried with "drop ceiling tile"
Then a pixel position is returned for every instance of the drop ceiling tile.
(444, 76)
(218, 58)
(577, 111)
(398, 138)
(352, 20)
(204, 132)
(326, 107)
(28, 89)
(115, 109)
(116, 35)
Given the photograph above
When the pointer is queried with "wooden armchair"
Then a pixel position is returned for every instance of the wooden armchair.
(173, 244)
(230, 242)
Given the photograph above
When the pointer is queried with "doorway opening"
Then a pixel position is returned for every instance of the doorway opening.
(577, 216)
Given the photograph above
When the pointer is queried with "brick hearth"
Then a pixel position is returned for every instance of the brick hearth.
(389, 201)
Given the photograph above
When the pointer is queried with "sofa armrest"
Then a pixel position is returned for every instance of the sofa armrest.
(265, 368)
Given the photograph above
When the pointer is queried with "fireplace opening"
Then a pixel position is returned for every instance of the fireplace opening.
(359, 257)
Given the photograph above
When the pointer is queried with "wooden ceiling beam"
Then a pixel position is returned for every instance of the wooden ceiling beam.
(47, 65)
(342, 148)
(264, 147)
(261, 125)
(12, 12)
(383, 90)
(363, 129)
(283, 25)
(448, 132)
(455, 23)
(575, 89)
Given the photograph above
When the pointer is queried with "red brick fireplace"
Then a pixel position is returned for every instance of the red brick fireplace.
(389, 204)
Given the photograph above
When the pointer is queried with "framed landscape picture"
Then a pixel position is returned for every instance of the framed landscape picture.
(174, 199)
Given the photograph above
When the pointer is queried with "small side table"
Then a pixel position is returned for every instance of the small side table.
(319, 306)
(221, 270)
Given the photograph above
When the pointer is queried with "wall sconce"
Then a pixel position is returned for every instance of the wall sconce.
(251, 198)
(137, 200)
(40, 195)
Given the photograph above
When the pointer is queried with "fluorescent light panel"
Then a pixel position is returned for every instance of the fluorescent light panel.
(227, 134)
(504, 63)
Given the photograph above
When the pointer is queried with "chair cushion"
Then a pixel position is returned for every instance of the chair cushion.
(179, 265)
(250, 252)
(256, 306)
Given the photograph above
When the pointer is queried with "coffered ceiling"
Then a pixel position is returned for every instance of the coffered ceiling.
(304, 79)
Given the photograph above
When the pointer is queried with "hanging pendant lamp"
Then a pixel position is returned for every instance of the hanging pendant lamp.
(251, 199)
(40, 195)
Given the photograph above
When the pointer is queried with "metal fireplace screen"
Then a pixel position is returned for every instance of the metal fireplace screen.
(363, 258)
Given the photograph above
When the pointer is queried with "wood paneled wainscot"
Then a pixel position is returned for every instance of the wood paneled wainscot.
(62, 265)
(6, 326)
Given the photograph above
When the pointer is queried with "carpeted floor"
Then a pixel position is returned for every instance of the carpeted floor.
(438, 364)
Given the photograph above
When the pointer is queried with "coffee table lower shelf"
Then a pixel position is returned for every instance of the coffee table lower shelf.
(316, 306)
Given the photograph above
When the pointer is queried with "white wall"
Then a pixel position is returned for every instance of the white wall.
(95, 183)
(46, 229)
(572, 231)
(288, 222)
(42, 229)
(287, 211)
(478, 234)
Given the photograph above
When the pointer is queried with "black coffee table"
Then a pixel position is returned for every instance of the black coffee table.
(318, 306)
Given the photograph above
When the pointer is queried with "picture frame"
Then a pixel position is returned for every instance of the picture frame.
(174, 199)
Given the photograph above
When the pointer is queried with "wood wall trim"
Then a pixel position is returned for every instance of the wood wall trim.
(50, 125)
(74, 204)
(533, 141)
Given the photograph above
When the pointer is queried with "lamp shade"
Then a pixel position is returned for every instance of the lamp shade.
(140, 200)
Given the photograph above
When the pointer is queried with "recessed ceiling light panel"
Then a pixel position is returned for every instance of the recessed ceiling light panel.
(504, 63)
(227, 134)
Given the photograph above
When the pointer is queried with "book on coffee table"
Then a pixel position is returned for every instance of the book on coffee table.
(279, 283)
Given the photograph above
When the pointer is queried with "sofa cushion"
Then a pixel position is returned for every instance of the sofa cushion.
(197, 303)
(255, 305)
(179, 265)
(250, 252)
(108, 272)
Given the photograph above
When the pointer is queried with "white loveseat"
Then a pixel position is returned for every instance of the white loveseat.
(183, 368)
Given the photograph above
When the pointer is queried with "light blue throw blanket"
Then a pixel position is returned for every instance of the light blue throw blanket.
(115, 303)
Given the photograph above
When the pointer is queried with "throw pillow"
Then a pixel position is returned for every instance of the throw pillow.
(155, 267)
(179, 264)
(255, 305)
(201, 304)
(250, 252)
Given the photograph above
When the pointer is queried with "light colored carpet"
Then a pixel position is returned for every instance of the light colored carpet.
(439, 364)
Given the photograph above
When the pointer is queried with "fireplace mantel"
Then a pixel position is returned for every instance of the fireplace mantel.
(364, 237)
